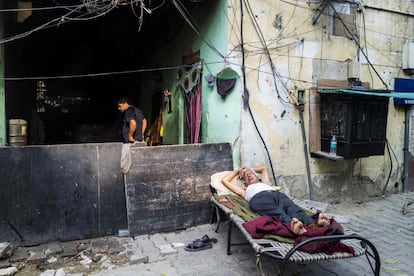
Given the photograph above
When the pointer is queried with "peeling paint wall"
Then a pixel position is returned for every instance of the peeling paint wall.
(302, 54)
(285, 52)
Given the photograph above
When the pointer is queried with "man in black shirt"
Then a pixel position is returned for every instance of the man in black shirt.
(133, 122)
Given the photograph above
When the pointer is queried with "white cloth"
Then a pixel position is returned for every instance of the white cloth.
(256, 188)
(126, 160)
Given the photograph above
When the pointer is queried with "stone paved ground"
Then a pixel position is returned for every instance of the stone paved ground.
(381, 220)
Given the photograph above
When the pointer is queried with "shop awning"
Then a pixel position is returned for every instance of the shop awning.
(380, 93)
(400, 98)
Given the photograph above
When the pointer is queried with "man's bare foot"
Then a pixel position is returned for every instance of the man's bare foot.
(297, 226)
(323, 220)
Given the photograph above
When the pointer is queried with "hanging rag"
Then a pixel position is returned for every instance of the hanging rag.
(126, 159)
(225, 80)
(189, 77)
(224, 87)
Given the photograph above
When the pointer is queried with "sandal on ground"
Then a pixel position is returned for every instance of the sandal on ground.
(206, 239)
(197, 246)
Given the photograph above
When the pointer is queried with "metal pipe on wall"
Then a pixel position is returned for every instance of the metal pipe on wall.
(406, 145)
(305, 143)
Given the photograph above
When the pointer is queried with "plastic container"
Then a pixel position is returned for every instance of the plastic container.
(123, 233)
(332, 150)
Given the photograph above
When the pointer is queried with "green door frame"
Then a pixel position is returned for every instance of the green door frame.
(2, 89)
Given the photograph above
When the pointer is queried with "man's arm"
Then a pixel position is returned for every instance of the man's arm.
(132, 128)
(226, 180)
(263, 171)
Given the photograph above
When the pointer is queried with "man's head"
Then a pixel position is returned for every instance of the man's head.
(249, 176)
(123, 104)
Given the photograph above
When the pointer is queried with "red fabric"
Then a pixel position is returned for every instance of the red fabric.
(193, 114)
(193, 103)
(262, 225)
(326, 246)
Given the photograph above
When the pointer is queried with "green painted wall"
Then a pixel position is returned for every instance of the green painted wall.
(220, 117)
(2, 99)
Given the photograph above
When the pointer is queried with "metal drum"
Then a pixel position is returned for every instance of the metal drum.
(17, 132)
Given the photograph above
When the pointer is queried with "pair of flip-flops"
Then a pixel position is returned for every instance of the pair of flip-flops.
(205, 242)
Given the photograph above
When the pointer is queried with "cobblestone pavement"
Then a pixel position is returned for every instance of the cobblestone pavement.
(387, 222)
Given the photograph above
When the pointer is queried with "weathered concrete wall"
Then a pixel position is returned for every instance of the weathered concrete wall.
(69, 192)
(303, 53)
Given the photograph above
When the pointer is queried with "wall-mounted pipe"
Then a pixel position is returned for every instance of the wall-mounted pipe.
(305, 143)
(406, 152)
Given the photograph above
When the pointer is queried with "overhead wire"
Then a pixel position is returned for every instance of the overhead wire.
(52, 23)
(193, 25)
(165, 68)
(39, 8)
(140, 17)
(358, 44)
(267, 53)
(94, 9)
(287, 23)
(87, 75)
(57, 21)
(234, 30)
(246, 94)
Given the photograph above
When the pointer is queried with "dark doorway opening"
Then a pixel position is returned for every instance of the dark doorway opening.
(83, 65)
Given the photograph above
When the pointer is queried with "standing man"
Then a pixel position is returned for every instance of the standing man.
(133, 122)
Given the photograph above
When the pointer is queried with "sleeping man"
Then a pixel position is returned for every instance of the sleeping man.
(266, 201)
(280, 216)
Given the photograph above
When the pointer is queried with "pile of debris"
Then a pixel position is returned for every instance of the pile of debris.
(68, 258)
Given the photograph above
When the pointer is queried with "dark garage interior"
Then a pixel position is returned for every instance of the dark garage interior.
(65, 78)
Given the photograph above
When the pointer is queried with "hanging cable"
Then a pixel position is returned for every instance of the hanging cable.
(389, 174)
(246, 93)
(267, 53)
(195, 29)
(358, 44)
(98, 74)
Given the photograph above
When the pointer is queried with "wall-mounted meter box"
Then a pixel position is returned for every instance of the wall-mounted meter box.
(408, 56)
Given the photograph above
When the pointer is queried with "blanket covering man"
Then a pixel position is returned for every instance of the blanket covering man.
(262, 225)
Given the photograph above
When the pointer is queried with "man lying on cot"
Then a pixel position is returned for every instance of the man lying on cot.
(280, 216)
(266, 201)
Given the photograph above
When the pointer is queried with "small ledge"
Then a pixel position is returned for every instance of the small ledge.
(323, 154)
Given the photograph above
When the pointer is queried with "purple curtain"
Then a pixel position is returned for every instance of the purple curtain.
(190, 82)
(193, 114)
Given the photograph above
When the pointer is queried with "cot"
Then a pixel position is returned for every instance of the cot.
(226, 205)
